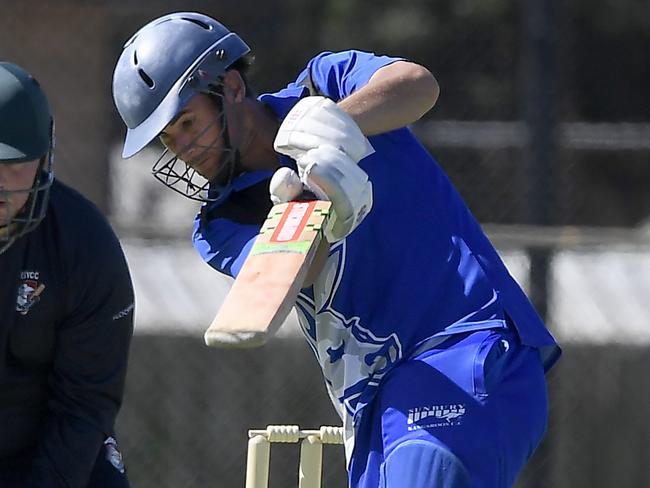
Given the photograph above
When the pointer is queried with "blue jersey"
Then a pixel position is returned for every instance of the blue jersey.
(417, 269)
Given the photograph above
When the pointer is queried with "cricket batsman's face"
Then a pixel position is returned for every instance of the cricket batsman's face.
(196, 136)
(16, 184)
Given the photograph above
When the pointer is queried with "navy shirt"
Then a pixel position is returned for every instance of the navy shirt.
(65, 327)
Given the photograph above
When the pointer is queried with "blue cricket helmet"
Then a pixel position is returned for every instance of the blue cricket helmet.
(163, 65)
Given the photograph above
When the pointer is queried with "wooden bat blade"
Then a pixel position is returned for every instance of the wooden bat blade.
(270, 279)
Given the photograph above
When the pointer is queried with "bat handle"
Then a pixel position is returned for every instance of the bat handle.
(306, 196)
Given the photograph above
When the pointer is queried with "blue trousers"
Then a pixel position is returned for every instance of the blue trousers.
(472, 410)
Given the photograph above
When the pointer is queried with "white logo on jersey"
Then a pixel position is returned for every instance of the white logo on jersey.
(351, 356)
(435, 416)
(123, 313)
(29, 275)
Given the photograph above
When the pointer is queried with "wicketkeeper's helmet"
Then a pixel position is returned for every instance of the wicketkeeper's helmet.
(26, 134)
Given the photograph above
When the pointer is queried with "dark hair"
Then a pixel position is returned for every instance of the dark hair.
(243, 65)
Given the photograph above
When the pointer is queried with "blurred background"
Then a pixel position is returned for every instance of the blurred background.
(543, 124)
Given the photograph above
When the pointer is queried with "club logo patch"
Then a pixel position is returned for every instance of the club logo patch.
(29, 291)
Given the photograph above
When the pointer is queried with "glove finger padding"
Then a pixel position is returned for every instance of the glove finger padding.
(285, 185)
(330, 174)
(315, 121)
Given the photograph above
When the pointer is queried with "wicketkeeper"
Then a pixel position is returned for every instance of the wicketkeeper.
(66, 311)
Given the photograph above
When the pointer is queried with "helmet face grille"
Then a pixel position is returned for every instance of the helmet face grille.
(34, 210)
(174, 173)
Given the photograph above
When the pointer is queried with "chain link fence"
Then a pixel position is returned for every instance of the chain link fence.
(543, 126)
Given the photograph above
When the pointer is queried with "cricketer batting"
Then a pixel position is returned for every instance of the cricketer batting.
(431, 352)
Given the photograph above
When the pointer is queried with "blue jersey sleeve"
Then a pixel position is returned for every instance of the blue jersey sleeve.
(338, 75)
(224, 244)
(224, 230)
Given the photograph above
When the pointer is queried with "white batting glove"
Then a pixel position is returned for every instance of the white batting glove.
(330, 175)
(285, 185)
(326, 144)
(316, 121)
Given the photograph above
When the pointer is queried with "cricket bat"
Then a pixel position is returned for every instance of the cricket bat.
(270, 279)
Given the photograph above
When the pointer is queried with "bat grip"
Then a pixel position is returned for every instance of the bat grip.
(306, 196)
